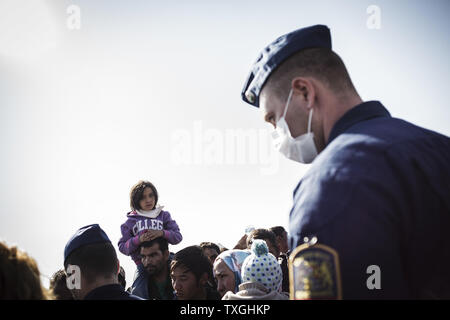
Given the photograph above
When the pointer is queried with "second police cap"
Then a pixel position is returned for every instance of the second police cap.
(317, 36)
(86, 235)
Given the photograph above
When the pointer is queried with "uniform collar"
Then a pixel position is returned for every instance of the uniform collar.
(361, 112)
(106, 291)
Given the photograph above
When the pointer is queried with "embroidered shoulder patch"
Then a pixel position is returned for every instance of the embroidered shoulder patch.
(314, 273)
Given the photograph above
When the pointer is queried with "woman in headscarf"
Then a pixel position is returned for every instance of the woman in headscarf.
(227, 270)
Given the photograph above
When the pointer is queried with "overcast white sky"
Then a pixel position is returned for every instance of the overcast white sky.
(151, 90)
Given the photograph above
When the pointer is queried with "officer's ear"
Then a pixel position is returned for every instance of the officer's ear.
(304, 88)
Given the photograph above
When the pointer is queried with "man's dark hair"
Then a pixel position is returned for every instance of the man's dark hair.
(121, 278)
(210, 245)
(263, 234)
(137, 192)
(94, 260)
(319, 63)
(162, 243)
(278, 230)
(59, 286)
(223, 250)
(193, 259)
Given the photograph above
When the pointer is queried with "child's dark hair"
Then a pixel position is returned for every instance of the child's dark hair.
(138, 190)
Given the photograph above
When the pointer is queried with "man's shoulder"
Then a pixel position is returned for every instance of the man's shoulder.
(371, 144)
(368, 167)
(110, 292)
(130, 296)
(383, 133)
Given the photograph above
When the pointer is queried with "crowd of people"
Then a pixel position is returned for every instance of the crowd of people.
(376, 195)
(255, 268)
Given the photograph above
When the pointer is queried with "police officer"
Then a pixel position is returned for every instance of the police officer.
(377, 191)
(92, 266)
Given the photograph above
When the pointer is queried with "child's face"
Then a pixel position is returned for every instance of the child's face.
(147, 202)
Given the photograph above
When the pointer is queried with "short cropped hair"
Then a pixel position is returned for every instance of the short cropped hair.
(137, 191)
(319, 63)
(121, 278)
(98, 260)
(263, 234)
(223, 249)
(162, 243)
(210, 245)
(20, 276)
(278, 230)
(193, 259)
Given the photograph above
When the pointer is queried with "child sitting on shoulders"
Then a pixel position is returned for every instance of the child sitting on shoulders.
(146, 222)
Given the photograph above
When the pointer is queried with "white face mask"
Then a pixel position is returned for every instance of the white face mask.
(301, 149)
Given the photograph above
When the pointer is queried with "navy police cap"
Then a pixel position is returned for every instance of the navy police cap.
(274, 54)
(86, 235)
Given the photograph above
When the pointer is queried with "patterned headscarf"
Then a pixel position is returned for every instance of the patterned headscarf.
(234, 259)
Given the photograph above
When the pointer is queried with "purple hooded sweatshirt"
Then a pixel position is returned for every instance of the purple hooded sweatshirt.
(137, 223)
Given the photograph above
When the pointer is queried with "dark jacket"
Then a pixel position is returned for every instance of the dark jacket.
(283, 261)
(144, 285)
(153, 292)
(379, 195)
(110, 292)
(211, 293)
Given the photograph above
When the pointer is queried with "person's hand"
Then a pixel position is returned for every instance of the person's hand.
(242, 243)
(144, 237)
(153, 234)
(149, 235)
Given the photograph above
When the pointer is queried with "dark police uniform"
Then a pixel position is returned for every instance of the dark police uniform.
(110, 292)
(378, 194)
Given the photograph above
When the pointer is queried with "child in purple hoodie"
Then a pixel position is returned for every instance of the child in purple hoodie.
(146, 222)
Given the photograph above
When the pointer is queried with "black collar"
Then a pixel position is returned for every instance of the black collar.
(361, 112)
(109, 291)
